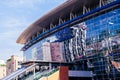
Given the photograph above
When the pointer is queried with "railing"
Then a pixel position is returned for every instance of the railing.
(45, 74)
(18, 72)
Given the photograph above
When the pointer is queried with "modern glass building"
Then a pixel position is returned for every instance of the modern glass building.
(83, 32)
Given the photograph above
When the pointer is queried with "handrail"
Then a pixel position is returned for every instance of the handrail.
(18, 72)
(44, 74)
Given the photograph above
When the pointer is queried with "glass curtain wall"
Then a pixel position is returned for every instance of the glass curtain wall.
(97, 40)
(103, 45)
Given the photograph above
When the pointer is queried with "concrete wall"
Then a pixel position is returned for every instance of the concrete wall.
(2, 71)
(54, 76)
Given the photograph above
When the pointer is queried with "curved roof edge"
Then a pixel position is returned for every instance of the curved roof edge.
(51, 17)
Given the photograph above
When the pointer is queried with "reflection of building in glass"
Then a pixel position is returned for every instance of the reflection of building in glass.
(34, 53)
(67, 34)
(75, 46)
(56, 51)
(102, 43)
(46, 51)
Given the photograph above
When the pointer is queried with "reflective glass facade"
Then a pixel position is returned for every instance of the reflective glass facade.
(96, 40)
(35, 51)
(103, 45)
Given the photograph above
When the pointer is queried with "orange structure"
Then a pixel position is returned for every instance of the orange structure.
(61, 74)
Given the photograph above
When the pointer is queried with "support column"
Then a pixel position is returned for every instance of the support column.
(34, 73)
(51, 26)
(50, 66)
(43, 29)
(85, 9)
(38, 33)
(101, 3)
(60, 21)
(71, 15)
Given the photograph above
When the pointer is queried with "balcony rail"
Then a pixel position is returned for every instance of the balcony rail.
(45, 74)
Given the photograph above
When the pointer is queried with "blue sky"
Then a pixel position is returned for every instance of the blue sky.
(16, 16)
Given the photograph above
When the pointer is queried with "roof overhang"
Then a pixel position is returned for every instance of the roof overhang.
(44, 63)
(62, 11)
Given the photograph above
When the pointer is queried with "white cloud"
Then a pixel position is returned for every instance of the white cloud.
(2, 62)
(29, 3)
(12, 28)
(15, 16)
(12, 22)
(21, 3)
